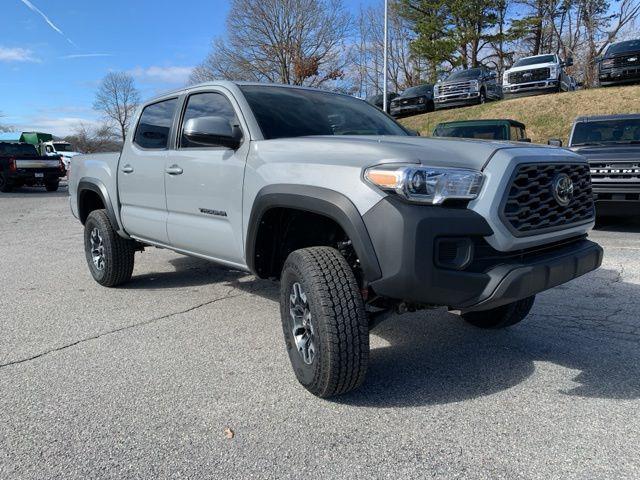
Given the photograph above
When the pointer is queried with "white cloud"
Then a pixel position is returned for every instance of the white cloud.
(59, 126)
(17, 54)
(87, 55)
(35, 9)
(164, 75)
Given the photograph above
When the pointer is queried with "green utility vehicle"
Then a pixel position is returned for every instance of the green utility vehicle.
(501, 129)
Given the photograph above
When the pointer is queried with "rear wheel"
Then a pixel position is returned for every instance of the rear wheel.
(501, 317)
(52, 186)
(109, 256)
(324, 321)
(5, 186)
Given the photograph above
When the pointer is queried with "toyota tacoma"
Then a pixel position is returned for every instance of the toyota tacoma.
(352, 214)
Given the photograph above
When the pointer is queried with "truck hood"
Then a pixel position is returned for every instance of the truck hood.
(603, 153)
(531, 67)
(364, 151)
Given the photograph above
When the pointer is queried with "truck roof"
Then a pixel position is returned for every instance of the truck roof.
(604, 118)
(230, 83)
(493, 121)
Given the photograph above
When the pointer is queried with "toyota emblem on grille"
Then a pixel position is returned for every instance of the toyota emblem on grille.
(563, 189)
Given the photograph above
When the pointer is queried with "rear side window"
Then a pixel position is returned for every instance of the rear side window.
(155, 124)
(208, 104)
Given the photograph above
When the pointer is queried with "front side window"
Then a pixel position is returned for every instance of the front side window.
(284, 112)
(155, 124)
(206, 105)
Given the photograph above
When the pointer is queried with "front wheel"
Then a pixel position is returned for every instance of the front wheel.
(324, 321)
(501, 317)
(109, 256)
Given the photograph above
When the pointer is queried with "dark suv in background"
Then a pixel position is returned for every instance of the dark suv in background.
(611, 145)
(377, 101)
(467, 87)
(412, 101)
(620, 63)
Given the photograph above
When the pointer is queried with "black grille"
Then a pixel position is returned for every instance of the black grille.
(632, 60)
(525, 76)
(530, 206)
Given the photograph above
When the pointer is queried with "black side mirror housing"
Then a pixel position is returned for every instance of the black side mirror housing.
(568, 62)
(525, 140)
(213, 132)
(554, 142)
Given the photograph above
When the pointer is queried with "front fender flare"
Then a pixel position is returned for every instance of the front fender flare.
(90, 184)
(322, 201)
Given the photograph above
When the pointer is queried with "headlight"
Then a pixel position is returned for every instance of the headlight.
(553, 72)
(607, 63)
(505, 77)
(421, 100)
(473, 85)
(436, 89)
(432, 185)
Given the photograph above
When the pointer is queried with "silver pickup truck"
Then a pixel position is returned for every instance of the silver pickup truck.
(354, 215)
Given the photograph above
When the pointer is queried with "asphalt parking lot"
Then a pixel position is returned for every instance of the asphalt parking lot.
(141, 381)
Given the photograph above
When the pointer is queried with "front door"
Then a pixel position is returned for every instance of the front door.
(204, 185)
(141, 177)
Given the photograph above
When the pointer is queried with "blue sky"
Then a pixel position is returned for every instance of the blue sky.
(53, 53)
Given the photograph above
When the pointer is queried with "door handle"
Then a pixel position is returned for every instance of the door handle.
(127, 169)
(174, 170)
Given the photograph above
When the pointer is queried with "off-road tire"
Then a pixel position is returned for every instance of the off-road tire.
(118, 252)
(337, 317)
(52, 186)
(5, 185)
(501, 317)
(482, 98)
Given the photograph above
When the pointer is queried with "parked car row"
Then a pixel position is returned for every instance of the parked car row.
(535, 75)
(21, 164)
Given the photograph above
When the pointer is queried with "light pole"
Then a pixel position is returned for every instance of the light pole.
(384, 56)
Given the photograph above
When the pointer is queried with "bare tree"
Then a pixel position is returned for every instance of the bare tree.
(300, 42)
(104, 138)
(117, 98)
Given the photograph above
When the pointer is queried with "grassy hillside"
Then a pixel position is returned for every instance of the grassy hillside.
(546, 116)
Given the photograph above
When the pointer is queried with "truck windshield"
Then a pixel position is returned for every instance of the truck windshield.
(62, 147)
(284, 112)
(465, 74)
(606, 132)
(18, 150)
(623, 47)
(419, 90)
(523, 62)
(483, 132)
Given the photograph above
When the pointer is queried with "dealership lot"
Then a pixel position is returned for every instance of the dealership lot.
(143, 380)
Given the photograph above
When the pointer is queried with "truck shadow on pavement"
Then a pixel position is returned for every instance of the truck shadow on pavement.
(434, 357)
(39, 191)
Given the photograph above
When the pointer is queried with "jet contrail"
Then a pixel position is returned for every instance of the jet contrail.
(35, 9)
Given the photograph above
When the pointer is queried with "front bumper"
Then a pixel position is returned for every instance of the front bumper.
(456, 100)
(616, 200)
(407, 239)
(619, 75)
(38, 177)
(408, 109)
(531, 88)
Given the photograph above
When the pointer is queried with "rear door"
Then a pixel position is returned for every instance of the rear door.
(204, 184)
(141, 176)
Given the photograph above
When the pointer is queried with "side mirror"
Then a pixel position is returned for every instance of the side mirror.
(493, 74)
(413, 133)
(527, 140)
(555, 142)
(568, 62)
(212, 132)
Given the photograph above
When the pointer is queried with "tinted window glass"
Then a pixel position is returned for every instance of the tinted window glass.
(419, 90)
(607, 131)
(535, 60)
(206, 105)
(155, 123)
(18, 150)
(285, 112)
(465, 74)
(483, 132)
(624, 47)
